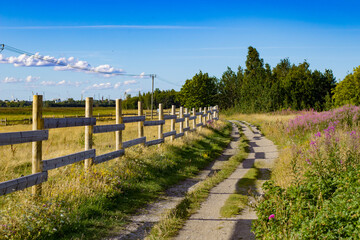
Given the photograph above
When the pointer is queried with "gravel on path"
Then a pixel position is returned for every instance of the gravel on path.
(207, 222)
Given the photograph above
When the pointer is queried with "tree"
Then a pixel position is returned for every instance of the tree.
(199, 91)
(229, 89)
(348, 90)
(252, 91)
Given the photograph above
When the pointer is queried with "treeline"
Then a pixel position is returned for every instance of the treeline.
(166, 97)
(260, 88)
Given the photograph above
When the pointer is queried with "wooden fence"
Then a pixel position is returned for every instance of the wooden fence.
(42, 125)
(99, 117)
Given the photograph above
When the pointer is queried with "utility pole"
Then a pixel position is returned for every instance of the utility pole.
(152, 94)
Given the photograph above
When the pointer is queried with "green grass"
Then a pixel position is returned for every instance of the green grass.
(97, 204)
(176, 218)
(142, 190)
(238, 200)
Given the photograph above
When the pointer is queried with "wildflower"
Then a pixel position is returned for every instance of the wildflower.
(312, 143)
(341, 162)
(308, 161)
(271, 216)
(318, 134)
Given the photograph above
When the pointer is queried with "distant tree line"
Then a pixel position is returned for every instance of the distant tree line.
(166, 97)
(260, 88)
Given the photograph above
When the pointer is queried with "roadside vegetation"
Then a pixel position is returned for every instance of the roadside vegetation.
(87, 205)
(313, 193)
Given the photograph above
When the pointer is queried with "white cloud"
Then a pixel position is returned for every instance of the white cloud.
(129, 82)
(48, 83)
(11, 80)
(130, 90)
(68, 83)
(142, 75)
(31, 79)
(61, 64)
(100, 86)
(63, 82)
(117, 85)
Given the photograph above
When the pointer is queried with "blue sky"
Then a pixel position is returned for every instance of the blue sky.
(173, 39)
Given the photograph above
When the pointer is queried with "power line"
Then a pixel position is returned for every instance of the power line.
(167, 81)
(56, 62)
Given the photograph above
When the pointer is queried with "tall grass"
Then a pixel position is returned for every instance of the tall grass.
(320, 197)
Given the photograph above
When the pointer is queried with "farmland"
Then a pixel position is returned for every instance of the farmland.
(106, 194)
(19, 115)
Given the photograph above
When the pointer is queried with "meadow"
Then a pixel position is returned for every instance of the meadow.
(84, 205)
(314, 188)
(21, 115)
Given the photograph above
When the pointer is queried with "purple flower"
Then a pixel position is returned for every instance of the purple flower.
(312, 143)
(308, 161)
(271, 216)
(318, 134)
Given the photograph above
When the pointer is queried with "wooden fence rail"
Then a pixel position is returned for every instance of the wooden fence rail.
(39, 134)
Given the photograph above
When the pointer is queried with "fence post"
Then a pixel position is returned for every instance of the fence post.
(204, 115)
(119, 120)
(88, 131)
(141, 123)
(194, 120)
(172, 138)
(38, 124)
(161, 117)
(181, 115)
(200, 117)
(186, 121)
(208, 114)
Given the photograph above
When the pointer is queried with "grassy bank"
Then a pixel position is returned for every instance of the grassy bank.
(320, 197)
(79, 205)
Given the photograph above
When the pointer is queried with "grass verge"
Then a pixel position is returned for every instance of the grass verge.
(176, 218)
(95, 204)
(238, 200)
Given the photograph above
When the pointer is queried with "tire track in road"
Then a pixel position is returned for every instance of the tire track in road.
(207, 223)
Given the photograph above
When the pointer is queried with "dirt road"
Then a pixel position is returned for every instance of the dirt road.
(207, 223)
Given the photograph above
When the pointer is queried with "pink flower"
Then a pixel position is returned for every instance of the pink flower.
(308, 161)
(271, 216)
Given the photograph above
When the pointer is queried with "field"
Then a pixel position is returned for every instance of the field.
(106, 194)
(15, 116)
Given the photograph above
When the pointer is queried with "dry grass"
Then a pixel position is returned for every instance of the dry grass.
(15, 160)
